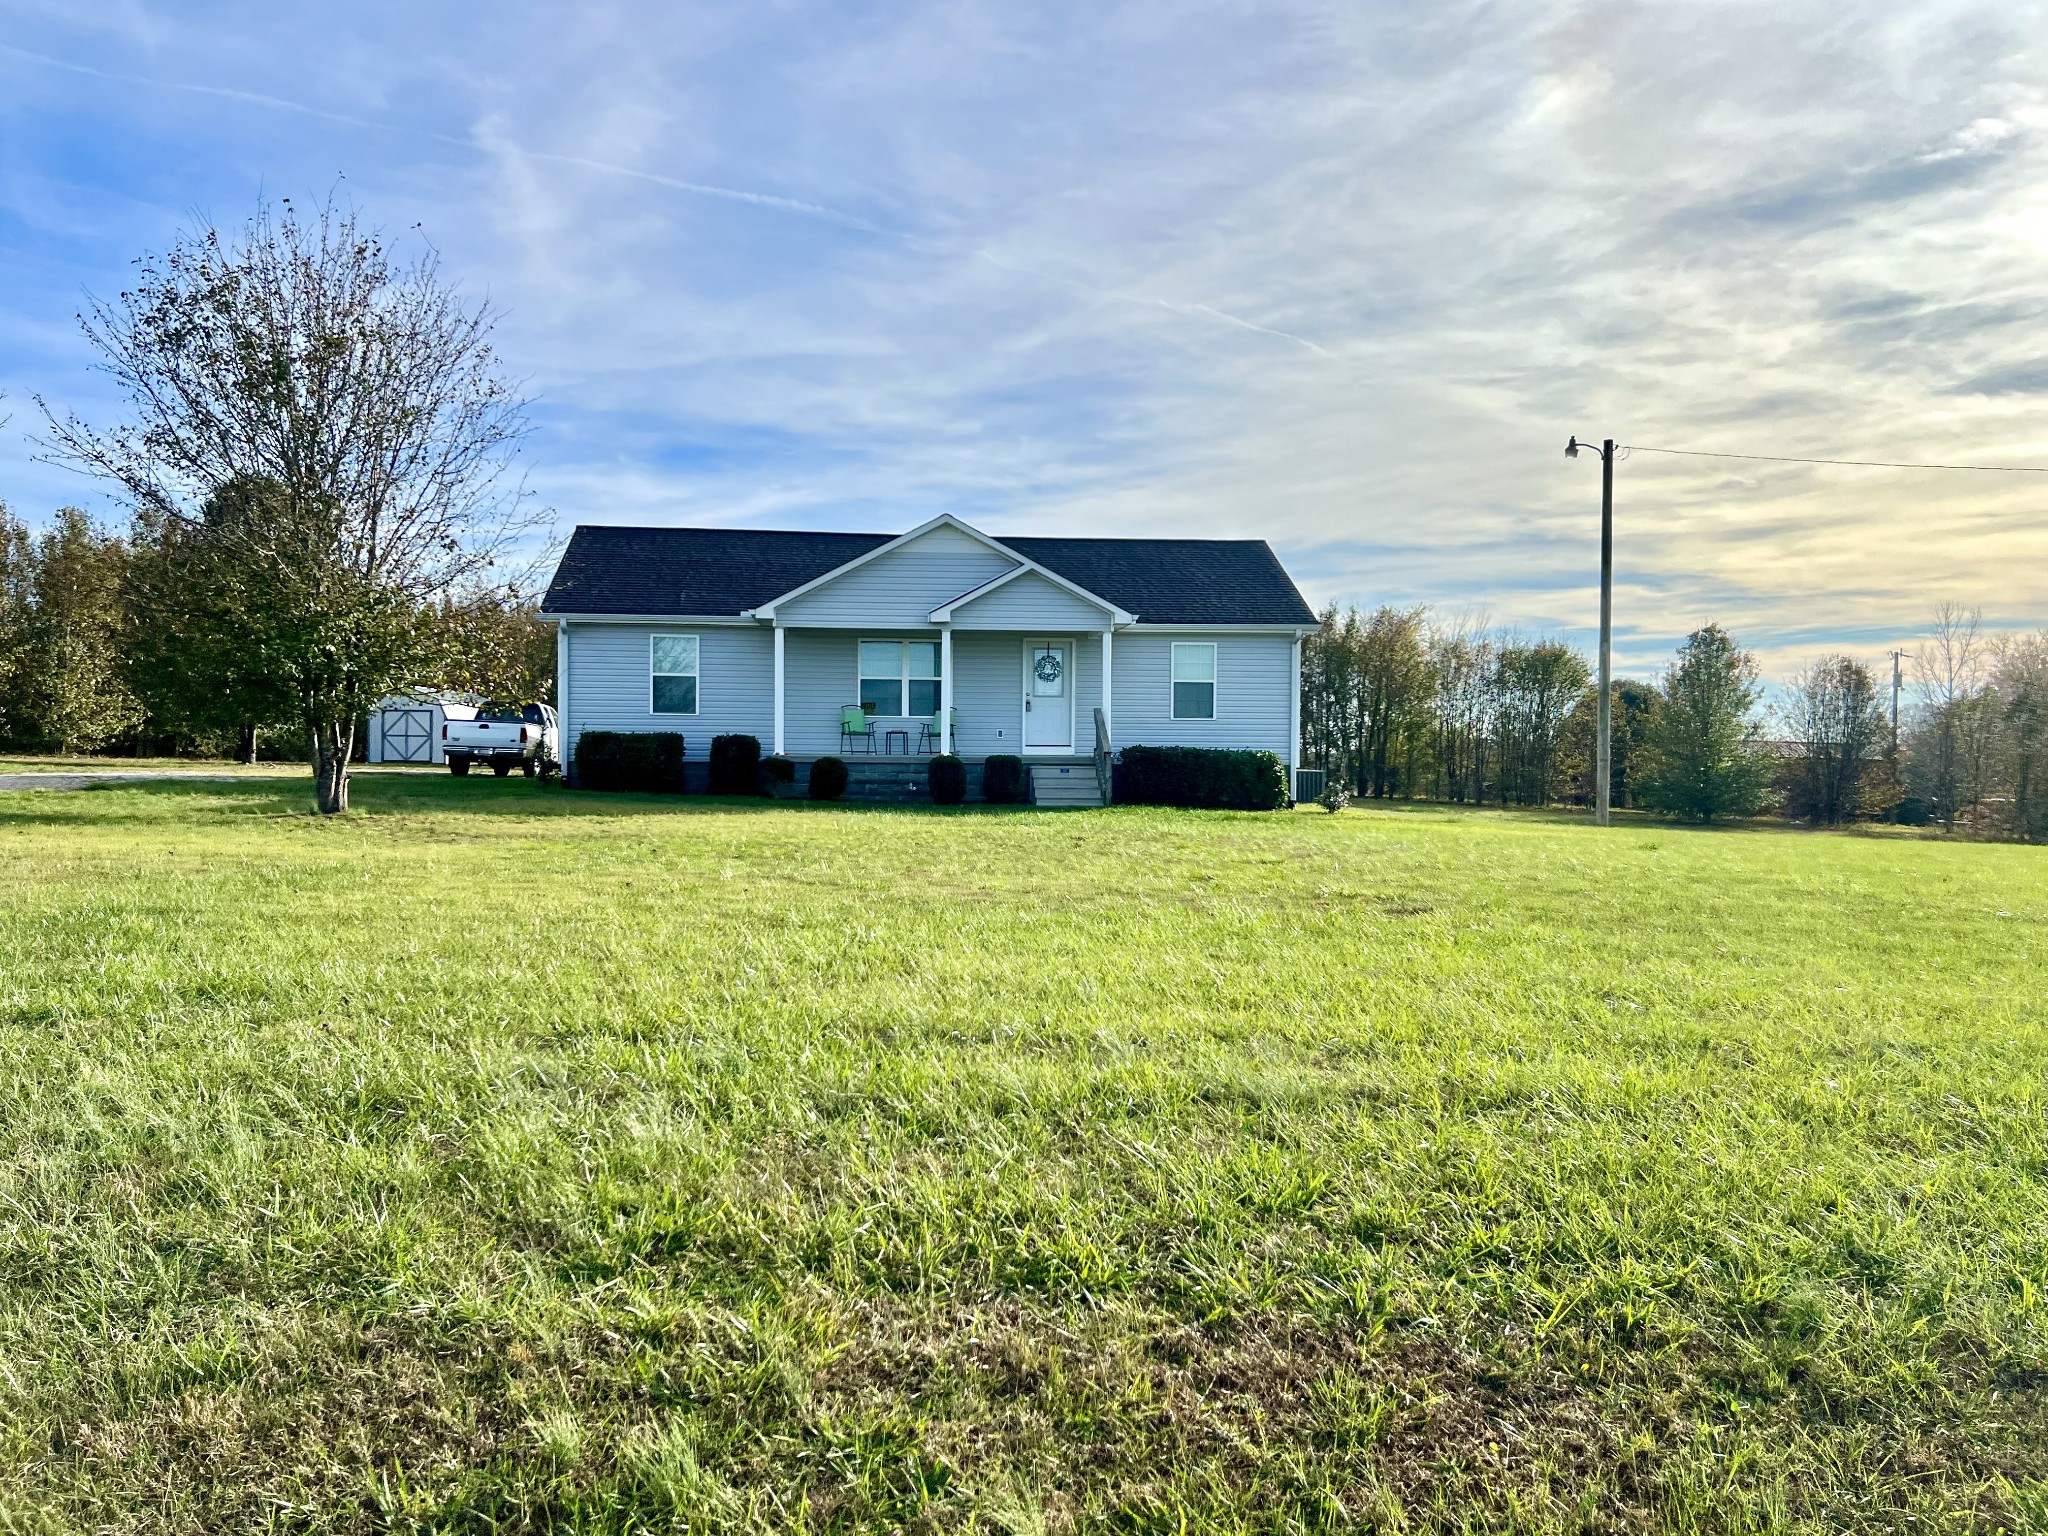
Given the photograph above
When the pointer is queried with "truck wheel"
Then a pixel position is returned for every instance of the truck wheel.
(501, 767)
(459, 766)
(531, 766)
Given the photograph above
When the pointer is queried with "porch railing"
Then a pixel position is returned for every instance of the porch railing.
(1103, 775)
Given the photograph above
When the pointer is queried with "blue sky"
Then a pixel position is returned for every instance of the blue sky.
(1342, 276)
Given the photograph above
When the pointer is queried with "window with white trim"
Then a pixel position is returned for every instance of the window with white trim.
(899, 678)
(1194, 680)
(672, 674)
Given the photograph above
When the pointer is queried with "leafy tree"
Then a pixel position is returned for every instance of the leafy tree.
(2022, 684)
(364, 398)
(72, 659)
(1536, 686)
(197, 607)
(1366, 690)
(495, 645)
(1460, 732)
(1841, 729)
(1702, 757)
(17, 613)
(1629, 712)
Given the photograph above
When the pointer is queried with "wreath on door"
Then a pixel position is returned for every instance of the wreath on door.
(1048, 667)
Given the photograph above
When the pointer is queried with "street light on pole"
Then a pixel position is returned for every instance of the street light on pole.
(1602, 760)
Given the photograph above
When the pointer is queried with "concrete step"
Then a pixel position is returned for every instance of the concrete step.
(1065, 788)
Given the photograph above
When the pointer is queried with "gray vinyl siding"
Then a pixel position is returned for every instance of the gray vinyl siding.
(988, 689)
(899, 589)
(1028, 602)
(608, 683)
(820, 676)
(1255, 683)
(608, 686)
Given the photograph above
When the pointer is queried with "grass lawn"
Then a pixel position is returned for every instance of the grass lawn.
(498, 1159)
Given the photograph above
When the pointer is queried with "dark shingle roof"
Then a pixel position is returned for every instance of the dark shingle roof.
(730, 570)
(702, 571)
(1177, 581)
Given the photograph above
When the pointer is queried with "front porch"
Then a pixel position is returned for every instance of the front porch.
(910, 694)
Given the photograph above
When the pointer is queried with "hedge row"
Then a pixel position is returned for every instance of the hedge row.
(1201, 778)
(646, 762)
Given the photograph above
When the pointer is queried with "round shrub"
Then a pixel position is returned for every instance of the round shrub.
(735, 762)
(828, 778)
(1002, 780)
(776, 772)
(948, 778)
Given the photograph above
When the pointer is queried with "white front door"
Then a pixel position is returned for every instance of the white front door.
(1049, 696)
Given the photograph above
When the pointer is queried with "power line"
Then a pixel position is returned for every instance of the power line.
(1780, 458)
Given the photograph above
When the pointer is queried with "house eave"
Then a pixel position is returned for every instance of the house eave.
(561, 616)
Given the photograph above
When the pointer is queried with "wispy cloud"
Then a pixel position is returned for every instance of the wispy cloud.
(1340, 276)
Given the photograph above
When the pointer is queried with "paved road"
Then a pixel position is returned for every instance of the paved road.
(89, 780)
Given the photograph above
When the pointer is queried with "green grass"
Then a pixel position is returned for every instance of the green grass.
(497, 1159)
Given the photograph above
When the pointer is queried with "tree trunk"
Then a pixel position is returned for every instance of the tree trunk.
(332, 745)
(247, 751)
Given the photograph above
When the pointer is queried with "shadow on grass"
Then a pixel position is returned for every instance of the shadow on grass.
(376, 794)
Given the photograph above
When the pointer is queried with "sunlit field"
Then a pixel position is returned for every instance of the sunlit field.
(503, 1159)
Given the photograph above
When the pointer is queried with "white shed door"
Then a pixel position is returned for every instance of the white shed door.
(408, 735)
(1049, 697)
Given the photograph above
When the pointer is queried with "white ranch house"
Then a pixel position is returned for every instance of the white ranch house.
(941, 639)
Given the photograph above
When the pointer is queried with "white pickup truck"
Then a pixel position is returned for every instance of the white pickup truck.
(505, 736)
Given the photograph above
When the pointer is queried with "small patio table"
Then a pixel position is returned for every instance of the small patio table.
(896, 741)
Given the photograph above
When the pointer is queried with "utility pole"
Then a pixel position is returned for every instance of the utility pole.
(1603, 755)
(1895, 701)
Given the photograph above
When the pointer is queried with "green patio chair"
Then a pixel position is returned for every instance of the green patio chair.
(855, 725)
(928, 732)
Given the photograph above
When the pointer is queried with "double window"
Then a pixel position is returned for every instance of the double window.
(672, 674)
(899, 678)
(1194, 680)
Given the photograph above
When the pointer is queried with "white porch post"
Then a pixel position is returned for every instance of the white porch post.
(1108, 720)
(778, 688)
(1294, 721)
(946, 689)
(562, 743)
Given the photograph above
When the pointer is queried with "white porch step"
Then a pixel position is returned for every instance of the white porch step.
(1065, 788)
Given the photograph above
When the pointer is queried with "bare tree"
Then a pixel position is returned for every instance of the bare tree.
(1949, 673)
(1840, 725)
(357, 403)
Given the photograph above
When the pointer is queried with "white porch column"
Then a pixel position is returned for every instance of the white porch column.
(946, 688)
(562, 743)
(778, 688)
(1294, 721)
(1108, 720)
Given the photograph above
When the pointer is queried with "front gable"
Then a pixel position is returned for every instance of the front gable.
(1029, 599)
(898, 586)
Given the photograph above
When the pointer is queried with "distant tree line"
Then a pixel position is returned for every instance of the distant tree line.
(113, 642)
(1397, 705)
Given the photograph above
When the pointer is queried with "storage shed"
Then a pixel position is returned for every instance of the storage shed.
(407, 728)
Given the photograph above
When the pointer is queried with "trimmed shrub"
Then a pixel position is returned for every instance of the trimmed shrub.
(828, 778)
(735, 764)
(775, 773)
(644, 762)
(1336, 794)
(1201, 778)
(1002, 780)
(947, 776)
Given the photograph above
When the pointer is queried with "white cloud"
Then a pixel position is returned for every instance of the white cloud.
(1340, 275)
